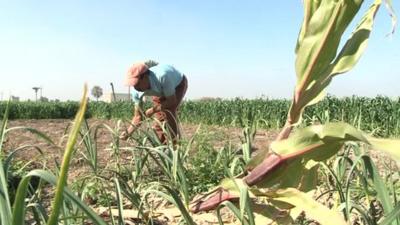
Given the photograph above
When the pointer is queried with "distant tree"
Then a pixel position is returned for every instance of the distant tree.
(150, 63)
(97, 92)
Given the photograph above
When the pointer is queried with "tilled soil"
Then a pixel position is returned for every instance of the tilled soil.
(57, 131)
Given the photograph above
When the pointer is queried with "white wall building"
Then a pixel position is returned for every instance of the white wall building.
(118, 97)
(14, 98)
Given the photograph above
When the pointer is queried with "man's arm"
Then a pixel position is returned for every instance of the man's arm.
(134, 124)
(137, 115)
(136, 119)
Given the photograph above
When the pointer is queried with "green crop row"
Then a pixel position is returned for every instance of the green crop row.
(66, 110)
(380, 115)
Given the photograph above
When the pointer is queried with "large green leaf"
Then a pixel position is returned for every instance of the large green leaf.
(268, 214)
(354, 47)
(389, 146)
(312, 208)
(279, 199)
(313, 143)
(321, 38)
(317, 59)
(345, 61)
(259, 213)
(309, 8)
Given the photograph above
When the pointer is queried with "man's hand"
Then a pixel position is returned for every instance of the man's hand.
(124, 135)
(150, 112)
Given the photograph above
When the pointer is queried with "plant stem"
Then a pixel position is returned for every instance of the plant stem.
(285, 132)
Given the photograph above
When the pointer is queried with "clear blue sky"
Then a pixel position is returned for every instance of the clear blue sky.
(227, 48)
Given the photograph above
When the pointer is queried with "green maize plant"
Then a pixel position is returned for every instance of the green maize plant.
(284, 177)
(235, 112)
(378, 115)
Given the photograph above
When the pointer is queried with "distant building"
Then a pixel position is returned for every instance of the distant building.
(14, 98)
(118, 97)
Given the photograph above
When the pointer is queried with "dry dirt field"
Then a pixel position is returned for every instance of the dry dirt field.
(56, 129)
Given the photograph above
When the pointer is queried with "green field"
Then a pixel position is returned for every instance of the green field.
(379, 115)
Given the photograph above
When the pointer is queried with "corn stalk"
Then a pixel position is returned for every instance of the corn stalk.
(283, 174)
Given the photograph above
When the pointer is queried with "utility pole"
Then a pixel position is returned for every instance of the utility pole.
(112, 88)
(36, 90)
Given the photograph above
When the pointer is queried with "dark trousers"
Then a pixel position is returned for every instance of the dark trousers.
(169, 116)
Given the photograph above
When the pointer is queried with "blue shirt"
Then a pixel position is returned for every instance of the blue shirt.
(163, 81)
